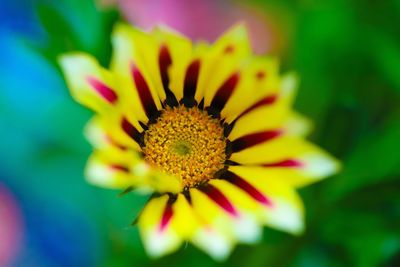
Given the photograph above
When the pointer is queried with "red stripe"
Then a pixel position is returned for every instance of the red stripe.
(224, 92)
(214, 194)
(247, 187)
(164, 61)
(166, 217)
(119, 168)
(254, 139)
(144, 92)
(112, 142)
(191, 77)
(130, 130)
(106, 92)
(268, 100)
(291, 163)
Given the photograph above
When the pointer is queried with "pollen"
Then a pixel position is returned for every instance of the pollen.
(187, 143)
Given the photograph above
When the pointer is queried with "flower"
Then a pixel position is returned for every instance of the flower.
(207, 128)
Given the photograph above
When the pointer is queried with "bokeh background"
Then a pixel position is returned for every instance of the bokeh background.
(347, 53)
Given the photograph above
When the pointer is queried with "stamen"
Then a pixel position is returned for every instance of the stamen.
(187, 143)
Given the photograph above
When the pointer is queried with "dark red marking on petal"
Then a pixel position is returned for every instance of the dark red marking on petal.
(112, 142)
(166, 217)
(247, 187)
(254, 139)
(224, 92)
(218, 197)
(229, 49)
(144, 92)
(106, 92)
(130, 130)
(119, 168)
(268, 100)
(191, 77)
(287, 163)
(260, 75)
(164, 62)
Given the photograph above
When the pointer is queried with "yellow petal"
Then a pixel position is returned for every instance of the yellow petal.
(312, 168)
(297, 124)
(105, 132)
(157, 242)
(184, 222)
(233, 224)
(114, 168)
(289, 148)
(222, 60)
(132, 46)
(215, 235)
(286, 210)
(100, 171)
(246, 226)
(211, 214)
(267, 117)
(89, 84)
(181, 54)
(258, 79)
(190, 226)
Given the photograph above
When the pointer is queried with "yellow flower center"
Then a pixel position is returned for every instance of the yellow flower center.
(187, 143)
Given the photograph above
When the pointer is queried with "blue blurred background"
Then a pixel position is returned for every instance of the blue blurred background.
(347, 54)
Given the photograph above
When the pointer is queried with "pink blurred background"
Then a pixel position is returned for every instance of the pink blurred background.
(207, 19)
(10, 226)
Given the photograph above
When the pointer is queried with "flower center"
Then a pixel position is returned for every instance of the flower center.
(187, 143)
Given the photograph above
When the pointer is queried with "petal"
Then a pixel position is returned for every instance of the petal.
(216, 237)
(105, 170)
(89, 84)
(187, 224)
(267, 116)
(134, 46)
(158, 237)
(217, 245)
(114, 168)
(312, 162)
(216, 211)
(222, 61)
(212, 213)
(246, 227)
(175, 55)
(297, 124)
(135, 61)
(289, 159)
(285, 210)
(298, 171)
(259, 79)
(103, 133)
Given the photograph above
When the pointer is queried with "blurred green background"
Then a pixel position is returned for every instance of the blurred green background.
(347, 53)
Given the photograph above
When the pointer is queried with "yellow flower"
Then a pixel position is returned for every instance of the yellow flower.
(207, 128)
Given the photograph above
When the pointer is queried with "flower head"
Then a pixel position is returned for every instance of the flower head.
(207, 128)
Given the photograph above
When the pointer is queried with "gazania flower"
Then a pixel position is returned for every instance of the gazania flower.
(208, 129)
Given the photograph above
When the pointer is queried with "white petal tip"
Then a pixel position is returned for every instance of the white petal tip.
(218, 247)
(321, 166)
(157, 244)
